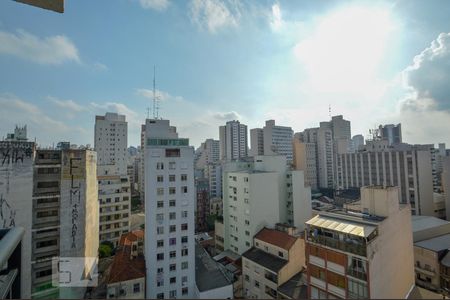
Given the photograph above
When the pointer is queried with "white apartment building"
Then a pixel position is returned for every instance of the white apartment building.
(169, 212)
(256, 141)
(272, 140)
(16, 188)
(406, 166)
(208, 152)
(341, 128)
(213, 171)
(111, 138)
(233, 141)
(114, 190)
(262, 193)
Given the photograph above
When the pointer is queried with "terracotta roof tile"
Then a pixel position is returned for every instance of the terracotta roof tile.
(275, 237)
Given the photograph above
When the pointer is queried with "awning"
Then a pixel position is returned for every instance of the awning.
(344, 226)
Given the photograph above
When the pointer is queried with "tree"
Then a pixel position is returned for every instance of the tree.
(104, 250)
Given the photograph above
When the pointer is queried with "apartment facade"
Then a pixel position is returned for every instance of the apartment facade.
(169, 212)
(276, 256)
(278, 140)
(16, 189)
(256, 141)
(362, 255)
(208, 152)
(114, 193)
(65, 216)
(391, 132)
(305, 160)
(260, 194)
(202, 206)
(407, 167)
(233, 141)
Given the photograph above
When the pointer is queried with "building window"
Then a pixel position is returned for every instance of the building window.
(172, 178)
(172, 228)
(173, 267)
(184, 239)
(184, 252)
(160, 204)
(160, 243)
(184, 189)
(172, 165)
(160, 191)
(183, 177)
(160, 296)
(160, 271)
(247, 232)
(184, 291)
(173, 294)
(160, 282)
(160, 178)
(160, 166)
(160, 256)
(247, 278)
(160, 230)
(172, 241)
(184, 214)
(280, 254)
(173, 254)
(136, 288)
(184, 280)
(44, 244)
(160, 217)
(172, 203)
(172, 191)
(184, 226)
(257, 284)
(184, 265)
(172, 216)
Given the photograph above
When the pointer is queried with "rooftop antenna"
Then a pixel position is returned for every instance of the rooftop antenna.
(155, 97)
(329, 110)
(148, 112)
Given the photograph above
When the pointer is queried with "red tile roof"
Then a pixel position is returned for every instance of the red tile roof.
(275, 237)
(124, 267)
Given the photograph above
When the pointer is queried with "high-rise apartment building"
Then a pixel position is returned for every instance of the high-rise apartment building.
(278, 140)
(391, 132)
(406, 166)
(202, 204)
(305, 160)
(16, 206)
(65, 217)
(169, 212)
(256, 141)
(261, 193)
(362, 255)
(357, 142)
(114, 193)
(207, 153)
(233, 141)
(341, 128)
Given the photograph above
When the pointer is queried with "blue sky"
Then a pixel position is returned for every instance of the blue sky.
(217, 60)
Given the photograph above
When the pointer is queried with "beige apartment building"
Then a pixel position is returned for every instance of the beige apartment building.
(305, 160)
(276, 256)
(362, 255)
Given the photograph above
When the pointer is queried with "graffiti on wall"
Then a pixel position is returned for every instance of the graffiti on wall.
(75, 197)
(14, 153)
(7, 214)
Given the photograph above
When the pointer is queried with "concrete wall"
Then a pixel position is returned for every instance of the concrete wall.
(446, 183)
(16, 189)
(301, 200)
(113, 290)
(425, 178)
(391, 257)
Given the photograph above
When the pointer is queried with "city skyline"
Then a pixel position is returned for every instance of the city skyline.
(223, 60)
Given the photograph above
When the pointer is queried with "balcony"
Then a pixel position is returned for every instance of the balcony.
(357, 273)
(340, 245)
(427, 285)
(424, 270)
(272, 277)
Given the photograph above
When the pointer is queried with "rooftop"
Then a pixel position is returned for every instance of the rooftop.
(209, 274)
(347, 226)
(426, 222)
(275, 237)
(227, 253)
(295, 288)
(124, 267)
(446, 260)
(264, 259)
(436, 244)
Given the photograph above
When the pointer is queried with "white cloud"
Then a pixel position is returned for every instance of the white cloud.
(69, 105)
(48, 50)
(160, 95)
(425, 110)
(276, 19)
(100, 67)
(215, 14)
(158, 5)
(18, 111)
(227, 116)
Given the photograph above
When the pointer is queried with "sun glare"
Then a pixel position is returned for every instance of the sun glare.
(346, 48)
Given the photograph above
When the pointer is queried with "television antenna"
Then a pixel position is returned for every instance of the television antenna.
(156, 97)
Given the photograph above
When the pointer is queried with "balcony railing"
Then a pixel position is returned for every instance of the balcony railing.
(340, 245)
(271, 277)
(357, 273)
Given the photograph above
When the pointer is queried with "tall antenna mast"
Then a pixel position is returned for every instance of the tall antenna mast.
(155, 97)
(329, 110)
